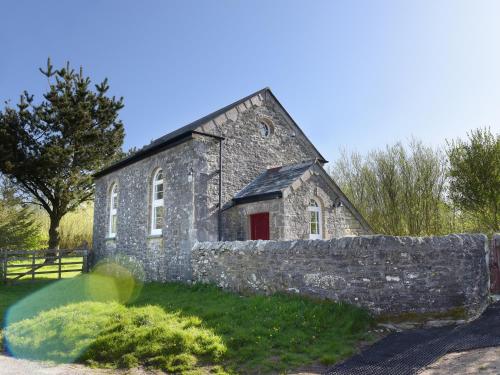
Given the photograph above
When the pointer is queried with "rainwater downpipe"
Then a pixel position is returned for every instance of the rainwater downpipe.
(219, 213)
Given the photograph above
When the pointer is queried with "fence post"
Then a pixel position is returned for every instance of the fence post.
(33, 266)
(85, 265)
(59, 256)
(3, 252)
(86, 257)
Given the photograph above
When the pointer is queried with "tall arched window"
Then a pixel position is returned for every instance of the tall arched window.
(314, 211)
(113, 209)
(157, 212)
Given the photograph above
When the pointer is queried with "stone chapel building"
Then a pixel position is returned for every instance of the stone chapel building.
(244, 172)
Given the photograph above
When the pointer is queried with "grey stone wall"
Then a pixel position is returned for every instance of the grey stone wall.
(336, 220)
(165, 257)
(237, 220)
(387, 275)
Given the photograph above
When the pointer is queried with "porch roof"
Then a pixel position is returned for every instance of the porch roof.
(271, 183)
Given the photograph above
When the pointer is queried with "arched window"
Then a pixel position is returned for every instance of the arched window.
(314, 211)
(157, 212)
(113, 209)
(264, 129)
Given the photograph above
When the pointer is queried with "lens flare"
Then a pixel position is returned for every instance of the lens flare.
(115, 280)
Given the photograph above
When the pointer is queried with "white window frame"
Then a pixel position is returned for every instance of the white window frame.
(113, 210)
(317, 210)
(155, 203)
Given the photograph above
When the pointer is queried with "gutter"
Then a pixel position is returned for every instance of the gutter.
(143, 154)
(258, 197)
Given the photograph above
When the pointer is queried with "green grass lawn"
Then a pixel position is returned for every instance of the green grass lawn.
(262, 334)
(9, 295)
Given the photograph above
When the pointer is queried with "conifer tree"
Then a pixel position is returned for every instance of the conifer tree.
(18, 227)
(51, 149)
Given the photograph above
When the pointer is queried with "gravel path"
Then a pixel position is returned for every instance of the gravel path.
(480, 361)
(14, 366)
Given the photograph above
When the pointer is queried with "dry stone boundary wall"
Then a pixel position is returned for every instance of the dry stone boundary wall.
(385, 274)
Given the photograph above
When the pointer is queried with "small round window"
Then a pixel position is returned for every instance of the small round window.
(264, 129)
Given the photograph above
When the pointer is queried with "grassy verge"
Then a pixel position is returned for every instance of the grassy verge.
(262, 334)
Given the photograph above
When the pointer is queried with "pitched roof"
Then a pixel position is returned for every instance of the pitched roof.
(272, 182)
(185, 133)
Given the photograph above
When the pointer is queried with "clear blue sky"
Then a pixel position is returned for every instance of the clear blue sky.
(353, 74)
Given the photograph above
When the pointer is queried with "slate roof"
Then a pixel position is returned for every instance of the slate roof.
(184, 133)
(272, 182)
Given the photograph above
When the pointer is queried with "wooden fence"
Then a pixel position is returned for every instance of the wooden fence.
(18, 264)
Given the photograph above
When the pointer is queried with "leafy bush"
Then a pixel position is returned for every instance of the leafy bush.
(110, 334)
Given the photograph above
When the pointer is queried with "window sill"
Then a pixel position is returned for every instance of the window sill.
(154, 236)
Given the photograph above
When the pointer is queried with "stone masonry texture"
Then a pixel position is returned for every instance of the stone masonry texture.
(191, 171)
(336, 220)
(162, 257)
(385, 274)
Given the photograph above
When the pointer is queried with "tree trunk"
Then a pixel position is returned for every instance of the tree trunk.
(54, 239)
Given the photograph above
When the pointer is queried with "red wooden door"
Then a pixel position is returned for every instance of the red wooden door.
(259, 226)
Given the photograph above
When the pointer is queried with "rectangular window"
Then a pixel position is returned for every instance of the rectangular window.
(113, 224)
(113, 210)
(314, 222)
(159, 192)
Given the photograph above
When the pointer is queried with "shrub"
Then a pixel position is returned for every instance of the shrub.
(112, 335)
